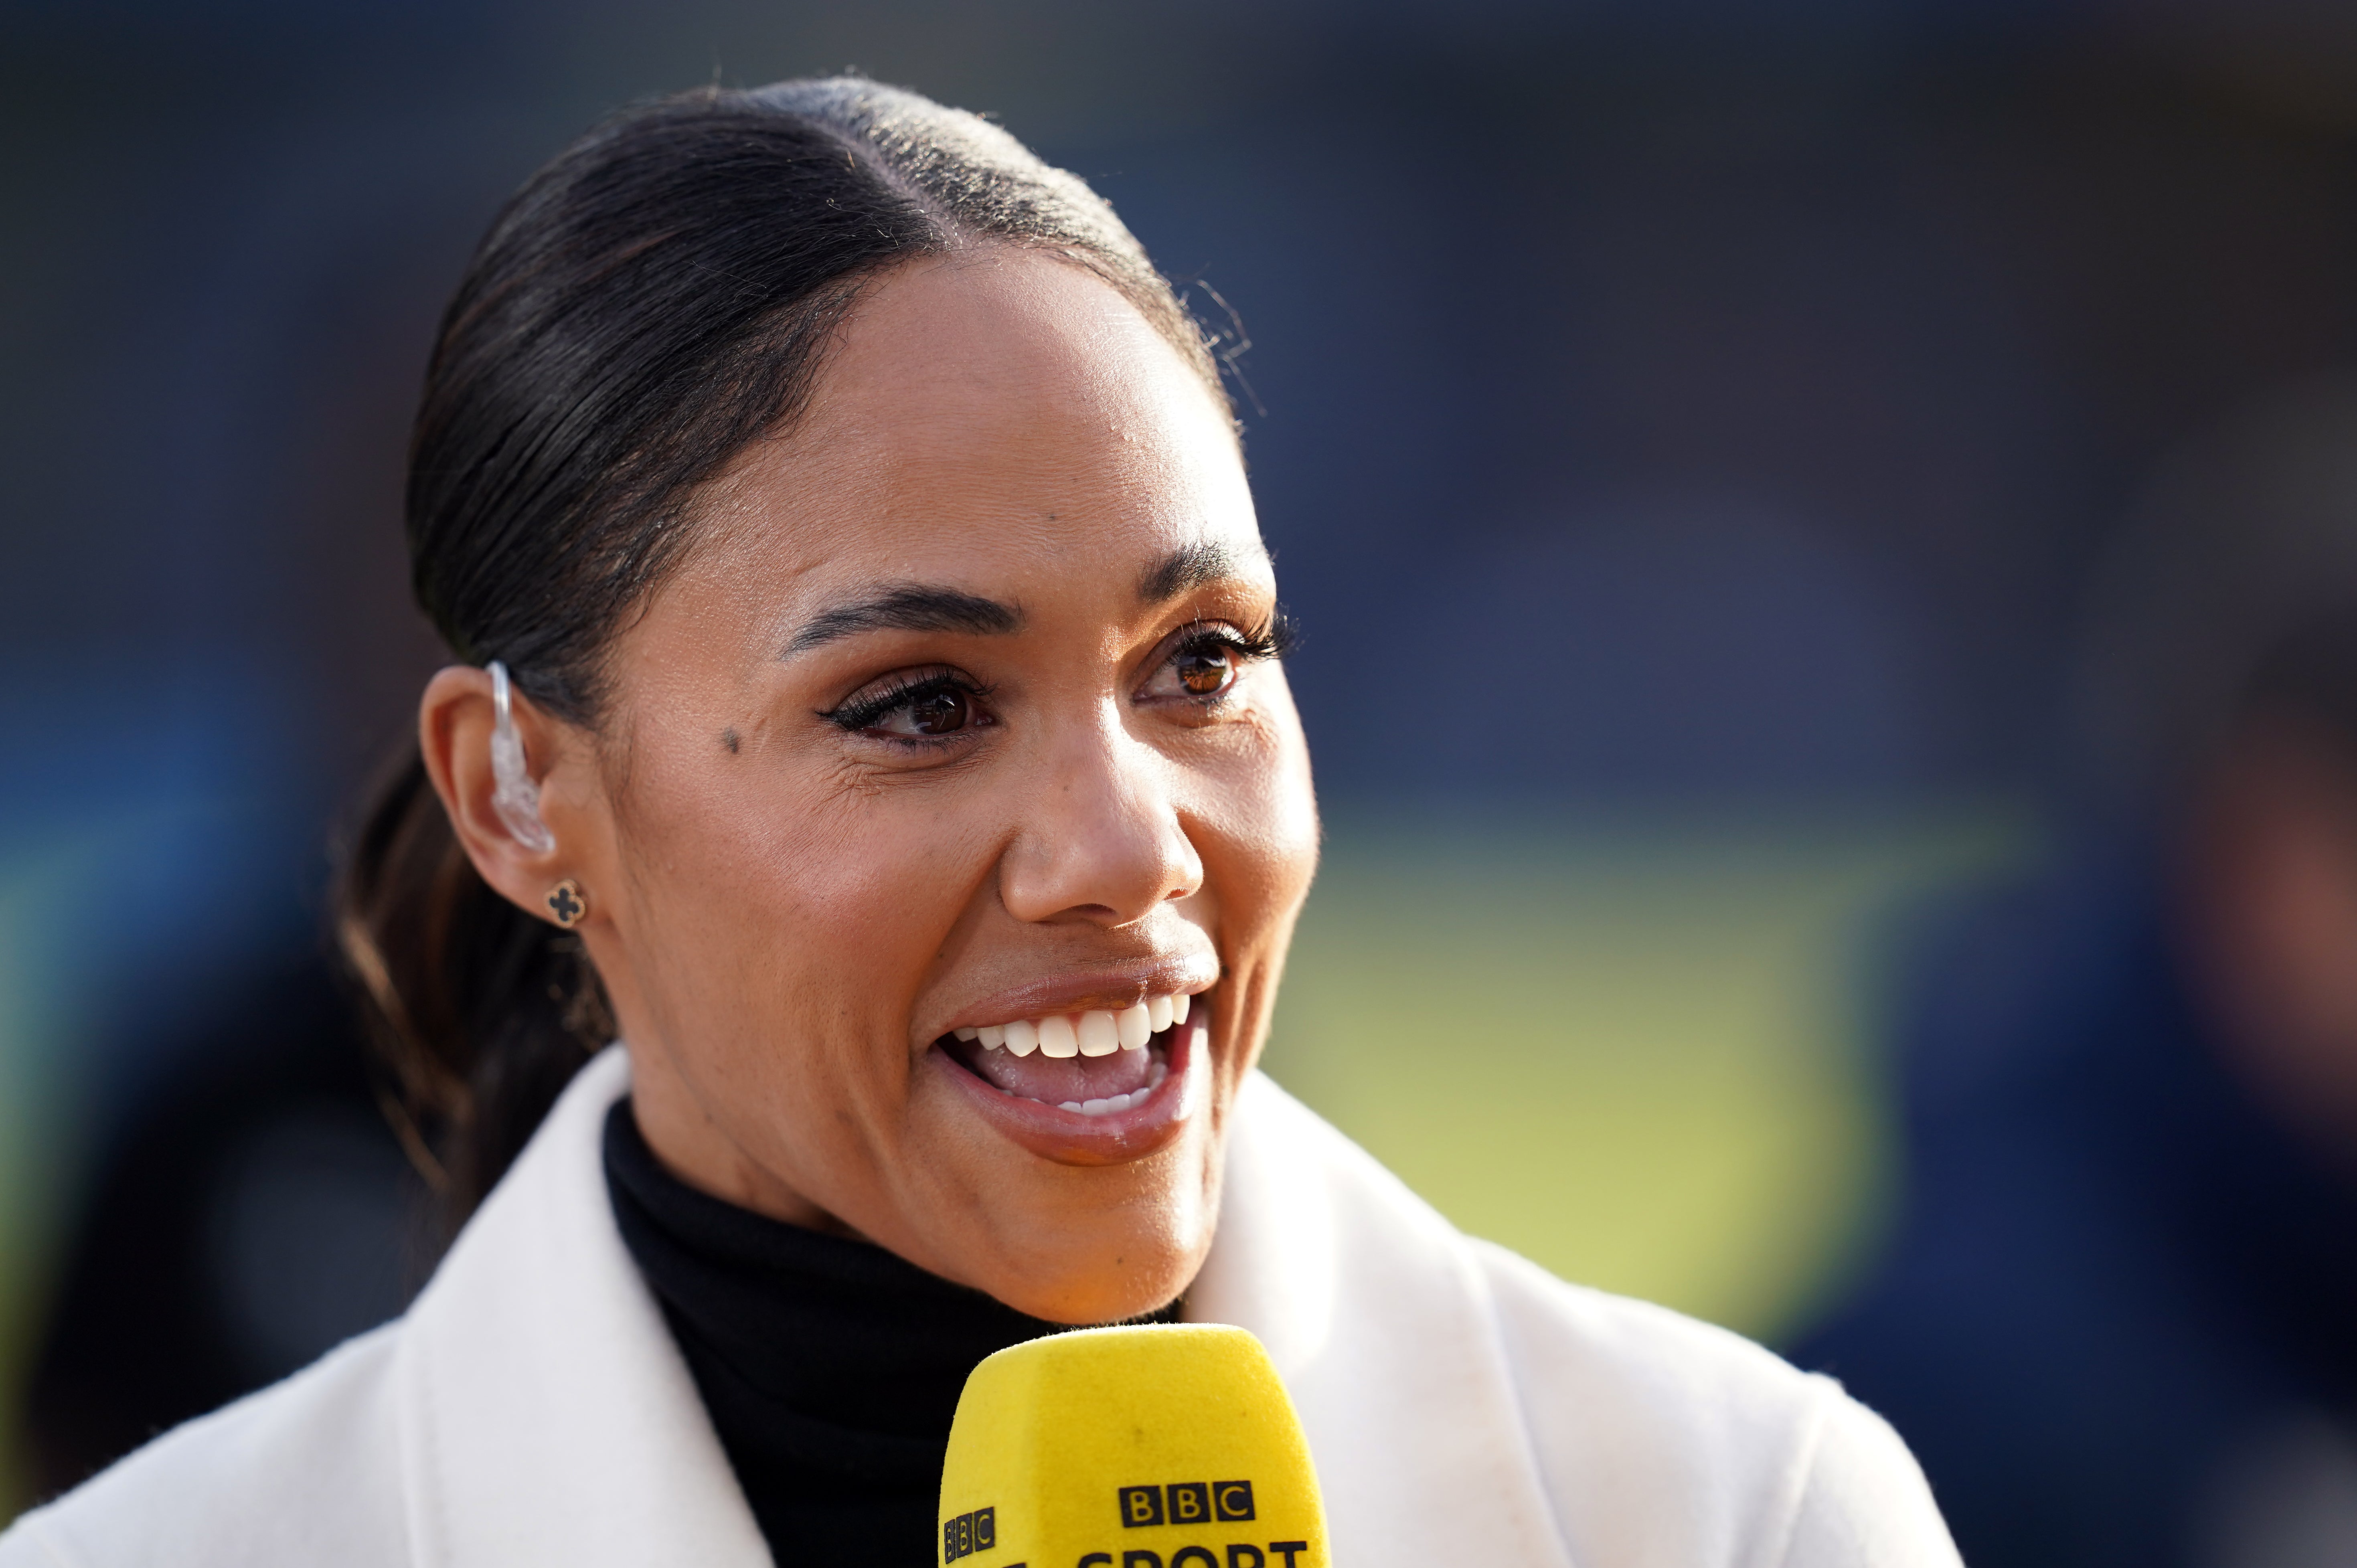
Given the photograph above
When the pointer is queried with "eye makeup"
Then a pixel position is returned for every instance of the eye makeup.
(1272, 638)
(1209, 657)
(938, 702)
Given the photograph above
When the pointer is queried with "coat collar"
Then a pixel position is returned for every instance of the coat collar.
(548, 1416)
(1377, 1316)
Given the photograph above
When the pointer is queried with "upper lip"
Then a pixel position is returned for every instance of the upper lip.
(1110, 988)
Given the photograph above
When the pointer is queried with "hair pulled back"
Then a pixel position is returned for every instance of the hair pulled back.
(651, 301)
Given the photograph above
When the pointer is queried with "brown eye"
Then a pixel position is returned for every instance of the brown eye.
(1205, 672)
(928, 708)
(941, 711)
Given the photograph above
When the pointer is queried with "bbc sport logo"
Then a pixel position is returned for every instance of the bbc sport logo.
(1176, 1503)
(1180, 1503)
(1186, 1503)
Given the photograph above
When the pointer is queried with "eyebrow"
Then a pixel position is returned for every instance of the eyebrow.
(906, 606)
(1192, 566)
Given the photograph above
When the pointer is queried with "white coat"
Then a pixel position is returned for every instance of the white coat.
(1463, 1406)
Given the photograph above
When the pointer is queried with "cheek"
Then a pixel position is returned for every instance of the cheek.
(1258, 822)
(832, 906)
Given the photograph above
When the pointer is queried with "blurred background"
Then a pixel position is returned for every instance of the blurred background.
(1828, 537)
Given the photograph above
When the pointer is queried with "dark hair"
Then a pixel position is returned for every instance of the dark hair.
(650, 301)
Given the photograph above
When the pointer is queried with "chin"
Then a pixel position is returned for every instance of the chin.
(1095, 1245)
(1097, 1294)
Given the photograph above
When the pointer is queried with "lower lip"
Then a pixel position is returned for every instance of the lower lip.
(1069, 1138)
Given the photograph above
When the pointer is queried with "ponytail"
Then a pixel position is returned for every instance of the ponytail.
(482, 1013)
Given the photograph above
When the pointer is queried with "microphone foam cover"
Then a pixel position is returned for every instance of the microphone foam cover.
(1156, 1446)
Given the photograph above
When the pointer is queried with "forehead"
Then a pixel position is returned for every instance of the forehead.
(999, 412)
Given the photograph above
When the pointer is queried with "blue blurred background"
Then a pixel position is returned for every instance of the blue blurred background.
(1731, 464)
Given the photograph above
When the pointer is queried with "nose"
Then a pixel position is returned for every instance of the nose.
(1102, 839)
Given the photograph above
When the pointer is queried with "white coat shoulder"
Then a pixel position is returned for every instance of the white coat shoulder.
(1467, 1405)
(243, 1485)
(1666, 1439)
(529, 1408)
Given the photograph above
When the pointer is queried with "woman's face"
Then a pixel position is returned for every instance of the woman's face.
(960, 718)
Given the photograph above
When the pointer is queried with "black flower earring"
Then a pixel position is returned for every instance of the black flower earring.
(566, 903)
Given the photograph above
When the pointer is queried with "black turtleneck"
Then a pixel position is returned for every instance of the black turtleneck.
(830, 1367)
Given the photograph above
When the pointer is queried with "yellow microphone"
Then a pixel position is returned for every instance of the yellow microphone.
(1160, 1446)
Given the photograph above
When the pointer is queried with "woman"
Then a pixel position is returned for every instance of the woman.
(899, 762)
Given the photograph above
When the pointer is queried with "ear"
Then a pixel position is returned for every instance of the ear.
(455, 720)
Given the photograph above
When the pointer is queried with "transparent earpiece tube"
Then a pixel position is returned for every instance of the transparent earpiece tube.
(514, 796)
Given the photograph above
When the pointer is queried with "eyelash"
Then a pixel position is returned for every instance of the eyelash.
(861, 713)
(1272, 638)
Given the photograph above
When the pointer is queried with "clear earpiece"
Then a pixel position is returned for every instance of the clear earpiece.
(513, 794)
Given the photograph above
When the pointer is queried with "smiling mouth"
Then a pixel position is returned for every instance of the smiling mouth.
(1096, 1063)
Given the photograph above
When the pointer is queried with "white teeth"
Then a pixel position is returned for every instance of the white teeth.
(1161, 1072)
(1096, 1034)
(1108, 1105)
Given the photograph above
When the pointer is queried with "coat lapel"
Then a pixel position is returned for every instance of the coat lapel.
(1379, 1318)
(547, 1414)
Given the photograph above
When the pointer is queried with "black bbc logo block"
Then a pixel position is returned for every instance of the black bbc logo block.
(1185, 1502)
(969, 1533)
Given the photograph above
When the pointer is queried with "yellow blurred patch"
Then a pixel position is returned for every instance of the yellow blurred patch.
(1637, 1055)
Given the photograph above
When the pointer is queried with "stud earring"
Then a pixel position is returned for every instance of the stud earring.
(567, 905)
